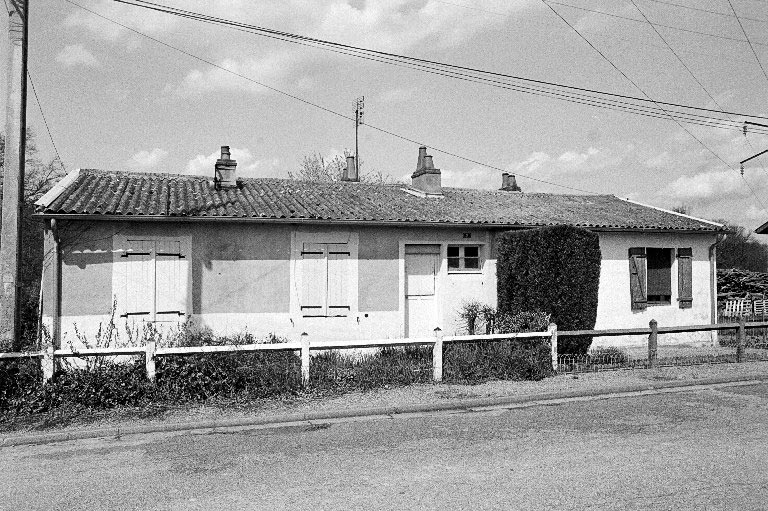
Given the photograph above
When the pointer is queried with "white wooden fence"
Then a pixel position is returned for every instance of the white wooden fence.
(151, 352)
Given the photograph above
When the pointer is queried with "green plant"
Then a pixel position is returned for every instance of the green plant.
(469, 313)
(331, 370)
(516, 359)
(555, 270)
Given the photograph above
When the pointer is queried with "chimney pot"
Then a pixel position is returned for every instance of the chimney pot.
(225, 170)
(509, 183)
(350, 173)
(427, 178)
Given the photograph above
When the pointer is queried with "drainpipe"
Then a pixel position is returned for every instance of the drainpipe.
(713, 280)
(56, 281)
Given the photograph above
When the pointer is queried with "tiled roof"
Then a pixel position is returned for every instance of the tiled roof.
(130, 194)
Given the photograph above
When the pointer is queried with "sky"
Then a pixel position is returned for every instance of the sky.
(117, 100)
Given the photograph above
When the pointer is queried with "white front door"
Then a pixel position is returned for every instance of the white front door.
(422, 263)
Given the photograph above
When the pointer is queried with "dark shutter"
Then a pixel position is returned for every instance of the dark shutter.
(685, 277)
(637, 270)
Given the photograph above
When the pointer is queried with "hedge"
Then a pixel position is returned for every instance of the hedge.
(555, 270)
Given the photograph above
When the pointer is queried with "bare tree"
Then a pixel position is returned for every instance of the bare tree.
(316, 168)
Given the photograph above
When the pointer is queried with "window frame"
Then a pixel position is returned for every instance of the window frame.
(462, 257)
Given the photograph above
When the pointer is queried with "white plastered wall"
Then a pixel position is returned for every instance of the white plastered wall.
(614, 301)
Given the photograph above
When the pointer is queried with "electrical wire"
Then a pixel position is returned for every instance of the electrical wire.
(697, 139)
(494, 79)
(323, 108)
(685, 66)
(709, 11)
(671, 27)
(748, 41)
(45, 120)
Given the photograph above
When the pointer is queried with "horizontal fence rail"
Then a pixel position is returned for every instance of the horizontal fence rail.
(151, 352)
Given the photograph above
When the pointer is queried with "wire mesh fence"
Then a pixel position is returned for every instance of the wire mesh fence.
(668, 353)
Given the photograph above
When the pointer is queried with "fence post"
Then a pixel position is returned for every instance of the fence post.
(437, 356)
(47, 363)
(149, 359)
(553, 343)
(305, 359)
(742, 339)
(653, 343)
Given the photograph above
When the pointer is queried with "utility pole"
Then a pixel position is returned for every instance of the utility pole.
(13, 174)
(359, 106)
(742, 162)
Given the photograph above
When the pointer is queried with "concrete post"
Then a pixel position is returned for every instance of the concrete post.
(305, 359)
(741, 340)
(653, 343)
(553, 344)
(13, 175)
(437, 356)
(47, 364)
(149, 359)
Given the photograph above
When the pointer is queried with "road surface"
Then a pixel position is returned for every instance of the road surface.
(703, 449)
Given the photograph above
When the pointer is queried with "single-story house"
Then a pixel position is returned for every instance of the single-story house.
(341, 260)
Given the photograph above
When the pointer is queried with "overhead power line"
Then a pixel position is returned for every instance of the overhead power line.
(45, 121)
(321, 107)
(671, 27)
(581, 95)
(708, 11)
(748, 41)
(635, 84)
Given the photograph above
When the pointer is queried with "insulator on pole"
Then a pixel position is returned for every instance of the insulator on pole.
(745, 129)
(742, 170)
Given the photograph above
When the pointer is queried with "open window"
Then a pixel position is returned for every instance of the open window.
(650, 276)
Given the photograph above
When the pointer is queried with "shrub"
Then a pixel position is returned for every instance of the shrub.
(228, 375)
(331, 370)
(555, 270)
(515, 359)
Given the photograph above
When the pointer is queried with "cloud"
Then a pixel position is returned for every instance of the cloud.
(147, 159)
(247, 166)
(716, 184)
(76, 55)
(144, 20)
(271, 70)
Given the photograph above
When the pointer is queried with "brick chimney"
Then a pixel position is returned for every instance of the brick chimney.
(225, 173)
(426, 179)
(509, 183)
(350, 173)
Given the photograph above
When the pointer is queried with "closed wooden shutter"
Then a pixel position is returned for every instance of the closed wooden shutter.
(637, 278)
(314, 280)
(139, 290)
(338, 278)
(685, 277)
(170, 281)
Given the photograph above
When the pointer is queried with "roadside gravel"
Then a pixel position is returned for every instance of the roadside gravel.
(418, 394)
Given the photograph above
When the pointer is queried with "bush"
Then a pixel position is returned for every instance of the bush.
(515, 359)
(555, 270)
(331, 370)
(228, 375)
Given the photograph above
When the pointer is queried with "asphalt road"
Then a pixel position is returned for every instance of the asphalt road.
(704, 449)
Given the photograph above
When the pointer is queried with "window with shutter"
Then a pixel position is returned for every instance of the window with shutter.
(155, 280)
(338, 288)
(139, 282)
(314, 280)
(659, 275)
(685, 278)
(637, 281)
(170, 281)
(324, 277)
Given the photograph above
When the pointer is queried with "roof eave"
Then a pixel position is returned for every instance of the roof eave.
(320, 221)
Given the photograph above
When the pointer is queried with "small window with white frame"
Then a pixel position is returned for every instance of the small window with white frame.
(464, 258)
